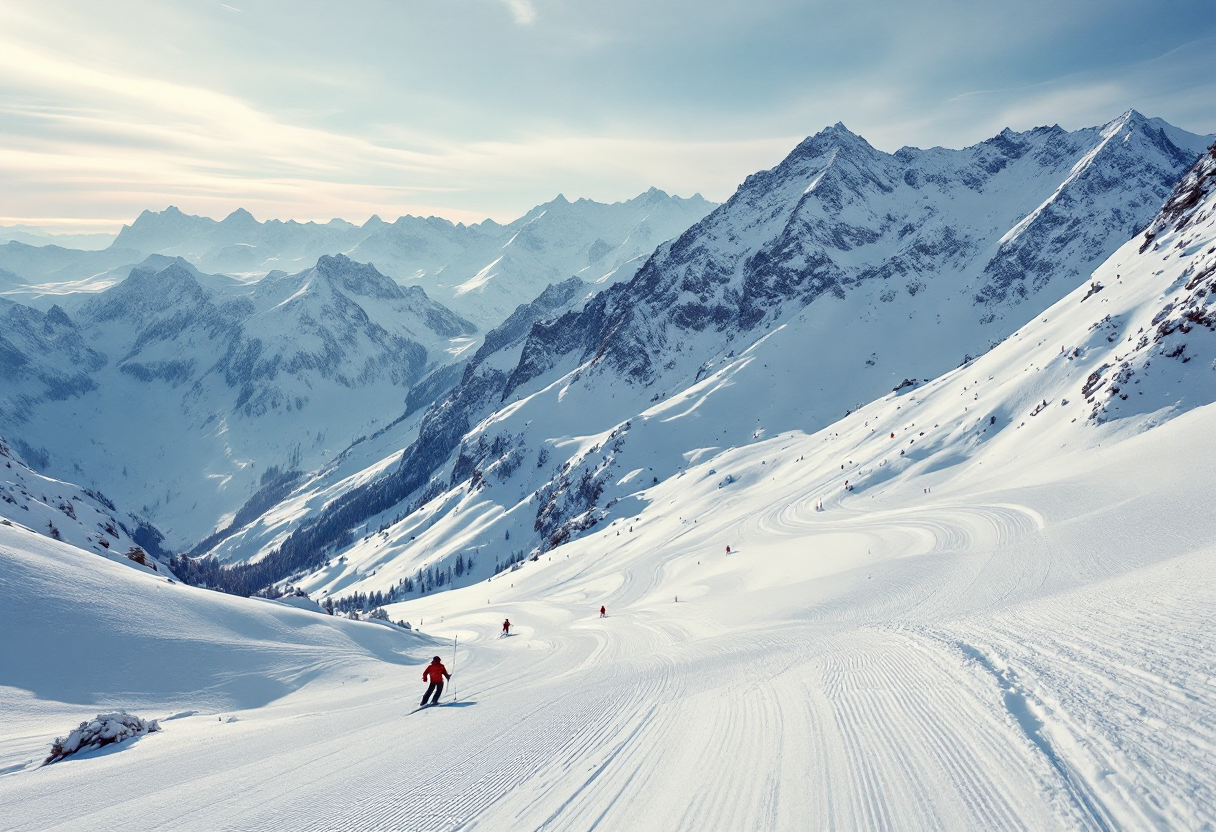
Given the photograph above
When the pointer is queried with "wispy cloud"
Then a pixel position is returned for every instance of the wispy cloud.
(128, 143)
(523, 11)
(442, 108)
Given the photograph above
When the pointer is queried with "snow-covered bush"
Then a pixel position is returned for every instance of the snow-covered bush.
(105, 729)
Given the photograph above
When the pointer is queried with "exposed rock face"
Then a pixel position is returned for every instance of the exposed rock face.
(1018, 216)
(1173, 351)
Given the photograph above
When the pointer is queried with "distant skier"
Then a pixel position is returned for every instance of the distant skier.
(506, 627)
(435, 673)
(728, 550)
(603, 611)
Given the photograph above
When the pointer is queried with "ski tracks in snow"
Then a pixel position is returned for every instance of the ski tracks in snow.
(917, 669)
(1096, 681)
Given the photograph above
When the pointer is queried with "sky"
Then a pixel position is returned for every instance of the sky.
(470, 109)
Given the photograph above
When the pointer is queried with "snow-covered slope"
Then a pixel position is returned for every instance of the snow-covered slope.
(838, 275)
(184, 399)
(62, 511)
(84, 634)
(975, 604)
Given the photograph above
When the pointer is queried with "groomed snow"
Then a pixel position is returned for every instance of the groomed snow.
(1025, 647)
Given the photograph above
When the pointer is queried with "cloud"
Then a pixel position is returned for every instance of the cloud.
(523, 11)
(441, 108)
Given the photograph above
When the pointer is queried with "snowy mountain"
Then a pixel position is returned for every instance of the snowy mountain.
(185, 399)
(482, 378)
(481, 271)
(973, 603)
(80, 517)
(238, 244)
(43, 357)
(486, 270)
(841, 274)
(41, 236)
(37, 270)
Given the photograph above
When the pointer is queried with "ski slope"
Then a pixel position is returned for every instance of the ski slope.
(979, 603)
(1026, 648)
(983, 602)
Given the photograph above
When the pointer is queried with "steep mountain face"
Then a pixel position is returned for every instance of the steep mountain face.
(43, 357)
(187, 399)
(1171, 362)
(838, 275)
(969, 235)
(429, 438)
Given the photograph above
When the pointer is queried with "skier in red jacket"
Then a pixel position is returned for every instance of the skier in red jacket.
(603, 612)
(435, 673)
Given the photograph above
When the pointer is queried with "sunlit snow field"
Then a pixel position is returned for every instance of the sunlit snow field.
(1030, 649)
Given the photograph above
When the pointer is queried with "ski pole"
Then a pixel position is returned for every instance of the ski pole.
(454, 639)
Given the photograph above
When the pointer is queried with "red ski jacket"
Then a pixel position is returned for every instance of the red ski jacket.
(435, 673)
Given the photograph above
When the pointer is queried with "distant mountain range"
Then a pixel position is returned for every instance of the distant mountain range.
(481, 271)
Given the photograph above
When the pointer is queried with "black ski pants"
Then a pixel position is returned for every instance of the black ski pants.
(435, 688)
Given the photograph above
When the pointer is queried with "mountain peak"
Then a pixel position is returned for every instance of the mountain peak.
(1193, 193)
(147, 216)
(240, 217)
(836, 137)
(147, 292)
(177, 272)
(1129, 120)
(357, 278)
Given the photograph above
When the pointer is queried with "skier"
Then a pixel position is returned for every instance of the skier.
(435, 673)
(506, 627)
(603, 611)
(728, 550)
